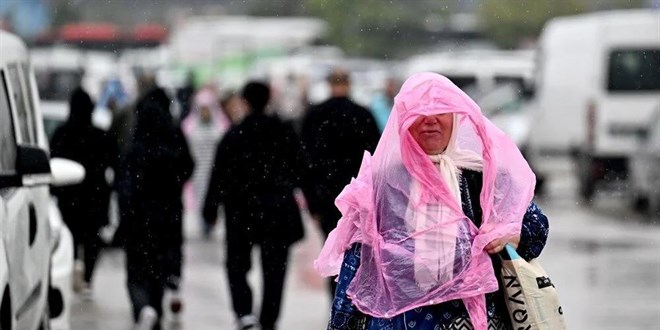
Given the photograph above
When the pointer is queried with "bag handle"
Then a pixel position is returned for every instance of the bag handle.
(509, 253)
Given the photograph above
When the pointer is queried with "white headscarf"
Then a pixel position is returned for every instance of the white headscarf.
(449, 163)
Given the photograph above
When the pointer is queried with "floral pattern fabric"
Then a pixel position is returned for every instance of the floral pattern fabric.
(450, 315)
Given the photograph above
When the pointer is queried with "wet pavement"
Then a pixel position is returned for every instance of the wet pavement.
(604, 260)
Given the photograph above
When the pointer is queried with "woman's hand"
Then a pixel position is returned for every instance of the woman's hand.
(497, 245)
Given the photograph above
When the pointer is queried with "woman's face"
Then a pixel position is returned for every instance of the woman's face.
(432, 133)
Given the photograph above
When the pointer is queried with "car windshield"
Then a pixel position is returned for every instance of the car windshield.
(505, 98)
(56, 85)
(462, 81)
(634, 70)
(50, 125)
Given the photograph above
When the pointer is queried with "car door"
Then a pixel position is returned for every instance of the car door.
(7, 168)
(27, 235)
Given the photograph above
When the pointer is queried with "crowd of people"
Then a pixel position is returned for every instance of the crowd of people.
(231, 151)
(419, 220)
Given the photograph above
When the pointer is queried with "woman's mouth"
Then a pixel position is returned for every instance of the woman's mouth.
(431, 132)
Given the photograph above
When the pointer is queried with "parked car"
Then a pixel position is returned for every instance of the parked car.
(62, 263)
(508, 108)
(28, 241)
(598, 79)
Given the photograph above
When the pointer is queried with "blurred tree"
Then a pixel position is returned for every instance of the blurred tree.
(275, 8)
(375, 27)
(618, 4)
(508, 22)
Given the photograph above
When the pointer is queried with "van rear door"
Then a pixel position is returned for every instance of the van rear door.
(632, 92)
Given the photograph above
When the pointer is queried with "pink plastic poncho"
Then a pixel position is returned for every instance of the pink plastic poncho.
(399, 206)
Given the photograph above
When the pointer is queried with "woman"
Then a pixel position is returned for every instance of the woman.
(203, 128)
(444, 190)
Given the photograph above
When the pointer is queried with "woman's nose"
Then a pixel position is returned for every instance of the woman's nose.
(430, 120)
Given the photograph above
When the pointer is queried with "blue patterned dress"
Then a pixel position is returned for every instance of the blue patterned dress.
(450, 315)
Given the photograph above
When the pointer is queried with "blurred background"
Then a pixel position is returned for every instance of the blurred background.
(575, 83)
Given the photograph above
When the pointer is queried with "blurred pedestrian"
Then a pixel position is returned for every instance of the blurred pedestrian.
(153, 171)
(123, 113)
(85, 206)
(116, 100)
(234, 107)
(292, 102)
(383, 102)
(335, 134)
(426, 216)
(184, 96)
(257, 166)
(203, 128)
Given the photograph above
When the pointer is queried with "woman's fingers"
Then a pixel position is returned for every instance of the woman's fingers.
(495, 249)
(497, 245)
(514, 241)
(494, 246)
(494, 243)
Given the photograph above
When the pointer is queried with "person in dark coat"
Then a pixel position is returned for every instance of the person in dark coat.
(84, 206)
(257, 166)
(153, 171)
(335, 134)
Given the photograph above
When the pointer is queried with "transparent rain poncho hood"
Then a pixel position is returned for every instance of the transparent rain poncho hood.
(418, 247)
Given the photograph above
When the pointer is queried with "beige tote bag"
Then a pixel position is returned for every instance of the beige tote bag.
(530, 296)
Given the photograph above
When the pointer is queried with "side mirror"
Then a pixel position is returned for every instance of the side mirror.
(32, 168)
(66, 172)
(31, 160)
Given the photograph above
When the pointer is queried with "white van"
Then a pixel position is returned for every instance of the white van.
(27, 240)
(598, 81)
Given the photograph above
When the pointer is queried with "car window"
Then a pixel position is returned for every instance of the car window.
(503, 99)
(22, 107)
(513, 80)
(25, 68)
(51, 125)
(7, 138)
(634, 70)
(462, 81)
(56, 85)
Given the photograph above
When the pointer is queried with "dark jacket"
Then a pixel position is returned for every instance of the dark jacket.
(257, 166)
(335, 134)
(122, 128)
(153, 171)
(84, 204)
